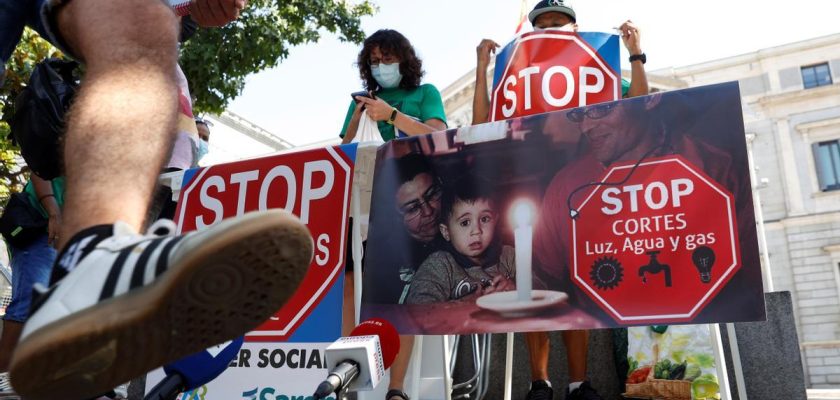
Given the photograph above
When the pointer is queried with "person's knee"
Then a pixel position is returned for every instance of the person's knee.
(120, 31)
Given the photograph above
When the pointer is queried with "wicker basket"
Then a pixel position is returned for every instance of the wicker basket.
(672, 390)
(642, 390)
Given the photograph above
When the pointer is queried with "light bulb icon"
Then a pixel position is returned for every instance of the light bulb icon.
(704, 258)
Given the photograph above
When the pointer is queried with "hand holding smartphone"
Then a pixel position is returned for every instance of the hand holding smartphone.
(362, 93)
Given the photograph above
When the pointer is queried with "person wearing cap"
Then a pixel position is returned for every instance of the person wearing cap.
(558, 14)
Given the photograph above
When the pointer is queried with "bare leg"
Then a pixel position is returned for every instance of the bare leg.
(538, 347)
(11, 334)
(123, 119)
(348, 311)
(400, 366)
(577, 346)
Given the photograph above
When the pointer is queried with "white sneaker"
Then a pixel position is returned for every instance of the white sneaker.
(136, 302)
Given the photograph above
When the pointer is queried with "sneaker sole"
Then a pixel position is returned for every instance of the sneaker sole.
(232, 284)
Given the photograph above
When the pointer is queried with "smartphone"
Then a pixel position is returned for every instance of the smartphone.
(362, 93)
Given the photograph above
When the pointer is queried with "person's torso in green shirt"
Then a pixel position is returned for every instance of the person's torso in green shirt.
(58, 192)
(423, 103)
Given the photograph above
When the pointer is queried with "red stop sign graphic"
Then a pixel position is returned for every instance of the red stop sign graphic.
(550, 71)
(314, 185)
(657, 247)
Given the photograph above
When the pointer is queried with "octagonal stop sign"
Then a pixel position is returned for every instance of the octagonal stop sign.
(552, 70)
(314, 185)
(655, 246)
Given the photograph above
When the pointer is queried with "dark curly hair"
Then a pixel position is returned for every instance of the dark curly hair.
(393, 42)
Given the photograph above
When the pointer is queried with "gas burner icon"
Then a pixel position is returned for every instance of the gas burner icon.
(606, 273)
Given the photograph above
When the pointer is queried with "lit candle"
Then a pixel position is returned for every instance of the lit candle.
(523, 237)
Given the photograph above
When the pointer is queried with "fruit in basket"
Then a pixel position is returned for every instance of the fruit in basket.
(692, 372)
(705, 387)
(677, 372)
(640, 375)
(662, 369)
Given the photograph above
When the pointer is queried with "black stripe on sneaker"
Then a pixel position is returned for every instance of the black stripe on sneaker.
(163, 258)
(38, 299)
(114, 274)
(140, 265)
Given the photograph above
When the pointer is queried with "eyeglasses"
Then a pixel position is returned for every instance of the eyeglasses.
(388, 59)
(414, 208)
(593, 112)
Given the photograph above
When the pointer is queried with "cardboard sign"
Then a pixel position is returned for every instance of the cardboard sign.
(552, 70)
(622, 213)
(651, 236)
(315, 186)
(301, 183)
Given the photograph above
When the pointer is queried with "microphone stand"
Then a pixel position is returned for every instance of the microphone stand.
(167, 389)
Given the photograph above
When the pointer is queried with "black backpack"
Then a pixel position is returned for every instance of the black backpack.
(21, 223)
(38, 123)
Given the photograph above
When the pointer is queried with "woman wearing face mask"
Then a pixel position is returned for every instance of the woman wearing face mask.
(391, 72)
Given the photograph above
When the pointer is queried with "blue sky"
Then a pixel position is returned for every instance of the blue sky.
(304, 100)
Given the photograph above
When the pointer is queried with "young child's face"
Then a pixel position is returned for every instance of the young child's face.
(470, 228)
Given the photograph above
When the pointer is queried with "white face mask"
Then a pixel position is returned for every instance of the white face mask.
(387, 75)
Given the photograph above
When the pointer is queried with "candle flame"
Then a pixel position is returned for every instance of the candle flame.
(523, 213)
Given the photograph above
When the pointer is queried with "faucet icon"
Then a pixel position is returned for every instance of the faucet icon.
(654, 267)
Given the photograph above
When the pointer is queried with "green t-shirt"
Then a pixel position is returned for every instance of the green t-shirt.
(422, 103)
(625, 87)
(58, 192)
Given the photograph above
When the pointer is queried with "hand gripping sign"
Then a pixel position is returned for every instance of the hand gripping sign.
(314, 185)
(552, 70)
(658, 244)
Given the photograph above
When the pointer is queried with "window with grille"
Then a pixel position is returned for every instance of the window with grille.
(816, 75)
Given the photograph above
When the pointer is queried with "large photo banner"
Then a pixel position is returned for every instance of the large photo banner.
(315, 185)
(551, 69)
(624, 213)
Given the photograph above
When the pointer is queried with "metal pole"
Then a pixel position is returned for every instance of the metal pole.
(720, 362)
(447, 376)
(740, 383)
(358, 253)
(766, 273)
(509, 366)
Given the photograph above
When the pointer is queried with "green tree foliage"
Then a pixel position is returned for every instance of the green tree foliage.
(216, 61)
(29, 52)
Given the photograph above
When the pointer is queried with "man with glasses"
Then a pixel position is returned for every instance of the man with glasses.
(629, 131)
(557, 14)
(410, 226)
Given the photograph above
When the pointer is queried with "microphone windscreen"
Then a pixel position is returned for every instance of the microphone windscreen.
(389, 339)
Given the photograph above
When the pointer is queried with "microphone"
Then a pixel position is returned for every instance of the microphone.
(359, 361)
(194, 371)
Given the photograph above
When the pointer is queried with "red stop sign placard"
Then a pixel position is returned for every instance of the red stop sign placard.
(550, 71)
(658, 246)
(314, 185)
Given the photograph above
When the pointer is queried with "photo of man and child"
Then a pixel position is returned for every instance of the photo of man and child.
(443, 233)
